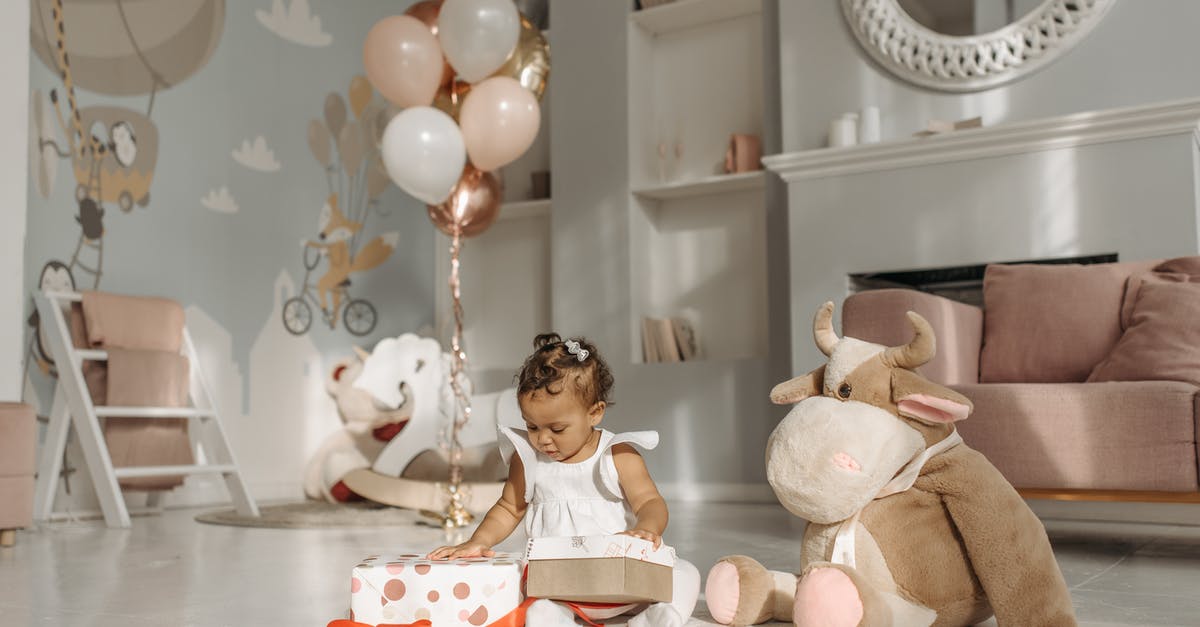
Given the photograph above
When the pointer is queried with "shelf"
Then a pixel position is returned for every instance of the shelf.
(684, 14)
(1068, 131)
(722, 184)
(525, 209)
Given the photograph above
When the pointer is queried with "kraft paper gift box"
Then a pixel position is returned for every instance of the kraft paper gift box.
(600, 569)
(403, 589)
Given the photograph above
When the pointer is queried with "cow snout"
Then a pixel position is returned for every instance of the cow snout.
(845, 461)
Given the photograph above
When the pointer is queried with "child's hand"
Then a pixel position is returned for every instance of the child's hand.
(645, 535)
(466, 549)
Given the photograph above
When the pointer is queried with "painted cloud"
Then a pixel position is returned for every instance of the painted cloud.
(295, 24)
(220, 200)
(256, 156)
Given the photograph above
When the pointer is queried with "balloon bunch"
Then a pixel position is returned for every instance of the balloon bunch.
(468, 75)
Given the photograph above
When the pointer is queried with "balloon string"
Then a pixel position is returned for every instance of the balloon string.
(457, 366)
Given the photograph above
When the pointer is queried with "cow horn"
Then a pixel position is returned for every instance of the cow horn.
(823, 333)
(362, 354)
(919, 351)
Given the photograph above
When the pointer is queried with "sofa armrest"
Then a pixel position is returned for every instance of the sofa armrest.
(878, 316)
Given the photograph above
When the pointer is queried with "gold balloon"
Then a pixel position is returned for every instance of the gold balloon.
(427, 11)
(472, 206)
(530, 60)
(450, 98)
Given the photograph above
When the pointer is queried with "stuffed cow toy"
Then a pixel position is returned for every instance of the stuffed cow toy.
(906, 524)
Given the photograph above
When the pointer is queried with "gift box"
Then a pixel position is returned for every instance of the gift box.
(408, 588)
(599, 569)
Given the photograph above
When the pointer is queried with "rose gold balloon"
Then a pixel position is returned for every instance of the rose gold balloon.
(427, 11)
(530, 60)
(450, 98)
(472, 206)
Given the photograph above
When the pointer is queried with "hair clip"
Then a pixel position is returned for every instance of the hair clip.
(573, 348)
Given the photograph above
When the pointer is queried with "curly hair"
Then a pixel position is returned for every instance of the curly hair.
(551, 366)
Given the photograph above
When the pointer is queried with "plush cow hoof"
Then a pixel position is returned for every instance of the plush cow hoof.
(738, 591)
(721, 592)
(826, 597)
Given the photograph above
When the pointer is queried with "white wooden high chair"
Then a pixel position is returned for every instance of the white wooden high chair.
(73, 406)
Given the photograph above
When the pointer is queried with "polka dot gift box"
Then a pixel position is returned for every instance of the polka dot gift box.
(409, 588)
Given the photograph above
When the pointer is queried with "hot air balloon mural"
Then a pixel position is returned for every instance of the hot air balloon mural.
(118, 48)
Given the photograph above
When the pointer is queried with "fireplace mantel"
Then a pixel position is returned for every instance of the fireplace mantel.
(1067, 131)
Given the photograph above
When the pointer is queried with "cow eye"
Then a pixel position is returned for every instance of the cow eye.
(844, 390)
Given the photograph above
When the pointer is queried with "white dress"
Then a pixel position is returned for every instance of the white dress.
(581, 499)
(585, 499)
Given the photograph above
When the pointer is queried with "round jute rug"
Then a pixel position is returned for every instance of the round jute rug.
(316, 514)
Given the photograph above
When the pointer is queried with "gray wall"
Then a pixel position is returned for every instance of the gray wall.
(1143, 51)
(256, 83)
(14, 72)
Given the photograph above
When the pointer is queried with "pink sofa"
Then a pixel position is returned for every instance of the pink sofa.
(1085, 379)
(18, 437)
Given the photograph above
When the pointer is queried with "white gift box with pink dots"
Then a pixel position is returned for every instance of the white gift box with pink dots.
(408, 588)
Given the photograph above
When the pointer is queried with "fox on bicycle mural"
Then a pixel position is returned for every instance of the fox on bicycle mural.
(348, 150)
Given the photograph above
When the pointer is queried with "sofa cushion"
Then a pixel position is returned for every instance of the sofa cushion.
(1105, 436)
(1178, 270)
(1163, 338)
(1050, 323)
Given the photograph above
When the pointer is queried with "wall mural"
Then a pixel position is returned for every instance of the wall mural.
(115, 48)
(348, 151)
(229, 194)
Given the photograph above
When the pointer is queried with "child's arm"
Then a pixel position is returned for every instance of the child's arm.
(641, 493)
(498, 523)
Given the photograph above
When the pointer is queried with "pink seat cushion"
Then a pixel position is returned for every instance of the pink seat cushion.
(1103, 436)
(1163, 338)
(1050, 323)
(18, 439)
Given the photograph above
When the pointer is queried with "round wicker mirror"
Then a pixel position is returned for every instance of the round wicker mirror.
(960, 63)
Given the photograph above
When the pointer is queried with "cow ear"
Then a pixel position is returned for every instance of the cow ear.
(799, 388)
(920, 399)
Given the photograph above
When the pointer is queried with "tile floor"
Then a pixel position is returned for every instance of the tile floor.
(170, 570)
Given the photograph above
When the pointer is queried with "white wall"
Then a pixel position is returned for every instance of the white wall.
(14, 154)
(714, 416)
(1141, 52)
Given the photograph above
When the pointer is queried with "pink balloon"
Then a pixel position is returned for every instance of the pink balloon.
(499, 120)
(403, 60)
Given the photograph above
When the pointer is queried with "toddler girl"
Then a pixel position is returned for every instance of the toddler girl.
(570, 478)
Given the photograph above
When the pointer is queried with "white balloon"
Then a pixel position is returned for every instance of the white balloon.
(424, 153)
(478, 36)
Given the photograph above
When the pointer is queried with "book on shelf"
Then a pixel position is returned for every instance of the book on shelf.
(668, 340)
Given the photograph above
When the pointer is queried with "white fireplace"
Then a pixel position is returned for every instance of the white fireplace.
(1123, 181)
